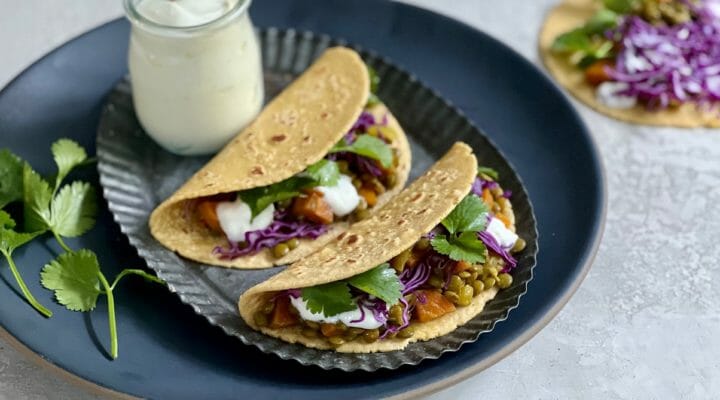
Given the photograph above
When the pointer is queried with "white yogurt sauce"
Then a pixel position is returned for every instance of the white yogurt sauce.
(504, 236)
(181, 13)
(236, 219)
(342, 198)
(194, 90)
(607, 94)
(369, 322)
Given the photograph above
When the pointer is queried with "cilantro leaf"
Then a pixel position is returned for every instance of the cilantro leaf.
(11, 178)
(9, 239)
(381, 282)
(600, 22)
(373, 100)
(324, 172)
(329, 299)
(466, 247)
(260, 198)
(621, 6)
(570, 42)
(36, 196)
(367, 146)
(68, 155)
(73, 210)
(74, 279)
(488, 172)
(468, 216)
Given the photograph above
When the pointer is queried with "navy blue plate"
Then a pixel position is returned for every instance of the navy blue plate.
(166, 350)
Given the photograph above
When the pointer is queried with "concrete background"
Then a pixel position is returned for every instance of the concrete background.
(644, 325)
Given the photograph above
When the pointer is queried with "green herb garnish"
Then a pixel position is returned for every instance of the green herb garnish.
(65, 211)
(463, 223)
(260, 198)
(334, 298)
(373, 99)
(586, 44)
(368, 146)
(487, 171)
(324, 172)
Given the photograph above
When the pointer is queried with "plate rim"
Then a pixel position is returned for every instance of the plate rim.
(586, 261)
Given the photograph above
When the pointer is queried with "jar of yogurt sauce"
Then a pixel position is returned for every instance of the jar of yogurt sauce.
(196, 71)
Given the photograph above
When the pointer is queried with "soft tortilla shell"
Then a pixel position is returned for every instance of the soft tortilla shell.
(296, 129)
(369, 243)
(571, 14)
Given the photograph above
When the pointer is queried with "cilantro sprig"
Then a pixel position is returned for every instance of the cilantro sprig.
(334, 298)
(586, 43)
(462, 243)
(65, 211)
(322, 173)
(368, 146)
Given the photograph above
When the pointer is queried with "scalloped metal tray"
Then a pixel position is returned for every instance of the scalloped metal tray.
(136, 175)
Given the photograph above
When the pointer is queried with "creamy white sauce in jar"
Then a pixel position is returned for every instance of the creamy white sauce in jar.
(196, 71)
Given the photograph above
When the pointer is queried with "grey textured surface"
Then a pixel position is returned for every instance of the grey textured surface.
(645, 323)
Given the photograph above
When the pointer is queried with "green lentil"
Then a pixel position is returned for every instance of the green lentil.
(398, 262)
(478, 287)
(395, 314)
(336, 341)
(465, 296)
(504, 281)
(293, 243)
(435, 281)
(489, 282)
(280, 250)
(456, 283)
(519, 246)
(362, 214)
(423, 244)
(465, 274)
(452, 296)
(371, 335)
(408, 332)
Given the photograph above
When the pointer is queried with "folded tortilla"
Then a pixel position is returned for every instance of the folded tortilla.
(295, 130)
(394, 228)
(571, 14)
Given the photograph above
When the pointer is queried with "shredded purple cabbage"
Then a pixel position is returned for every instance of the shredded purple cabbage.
(282, 229)
(479, 184)
(663, 65)
(493, 245)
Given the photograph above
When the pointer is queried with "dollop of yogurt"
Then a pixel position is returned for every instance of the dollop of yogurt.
(342, 198)
(607, 94)
(236, 219)
(369, 322)
(504, 236)
(184, 13)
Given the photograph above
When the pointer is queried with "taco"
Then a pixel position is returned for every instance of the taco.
(650, 62)
(421, 266)
(322, 155)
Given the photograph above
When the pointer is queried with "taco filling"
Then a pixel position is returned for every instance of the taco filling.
(469, 253)
(656, 53)
(343, 186)
(321, 155)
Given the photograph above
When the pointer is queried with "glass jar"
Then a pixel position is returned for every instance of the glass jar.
(196, 71)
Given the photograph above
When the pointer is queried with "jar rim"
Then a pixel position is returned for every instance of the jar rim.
(136, 18)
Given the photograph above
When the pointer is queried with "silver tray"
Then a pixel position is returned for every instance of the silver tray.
(136, 175)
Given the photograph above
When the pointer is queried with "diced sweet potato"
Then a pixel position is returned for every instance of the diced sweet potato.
(313, 207)
(461, 266)
(488, 198)
(597, 72)
(369, 195)
(435, 306)
(207, 211)
(281, 316)
(505, 220)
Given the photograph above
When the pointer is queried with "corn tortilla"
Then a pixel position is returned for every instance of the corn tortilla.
(394, 228)
(295, 130)
(571, 14)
